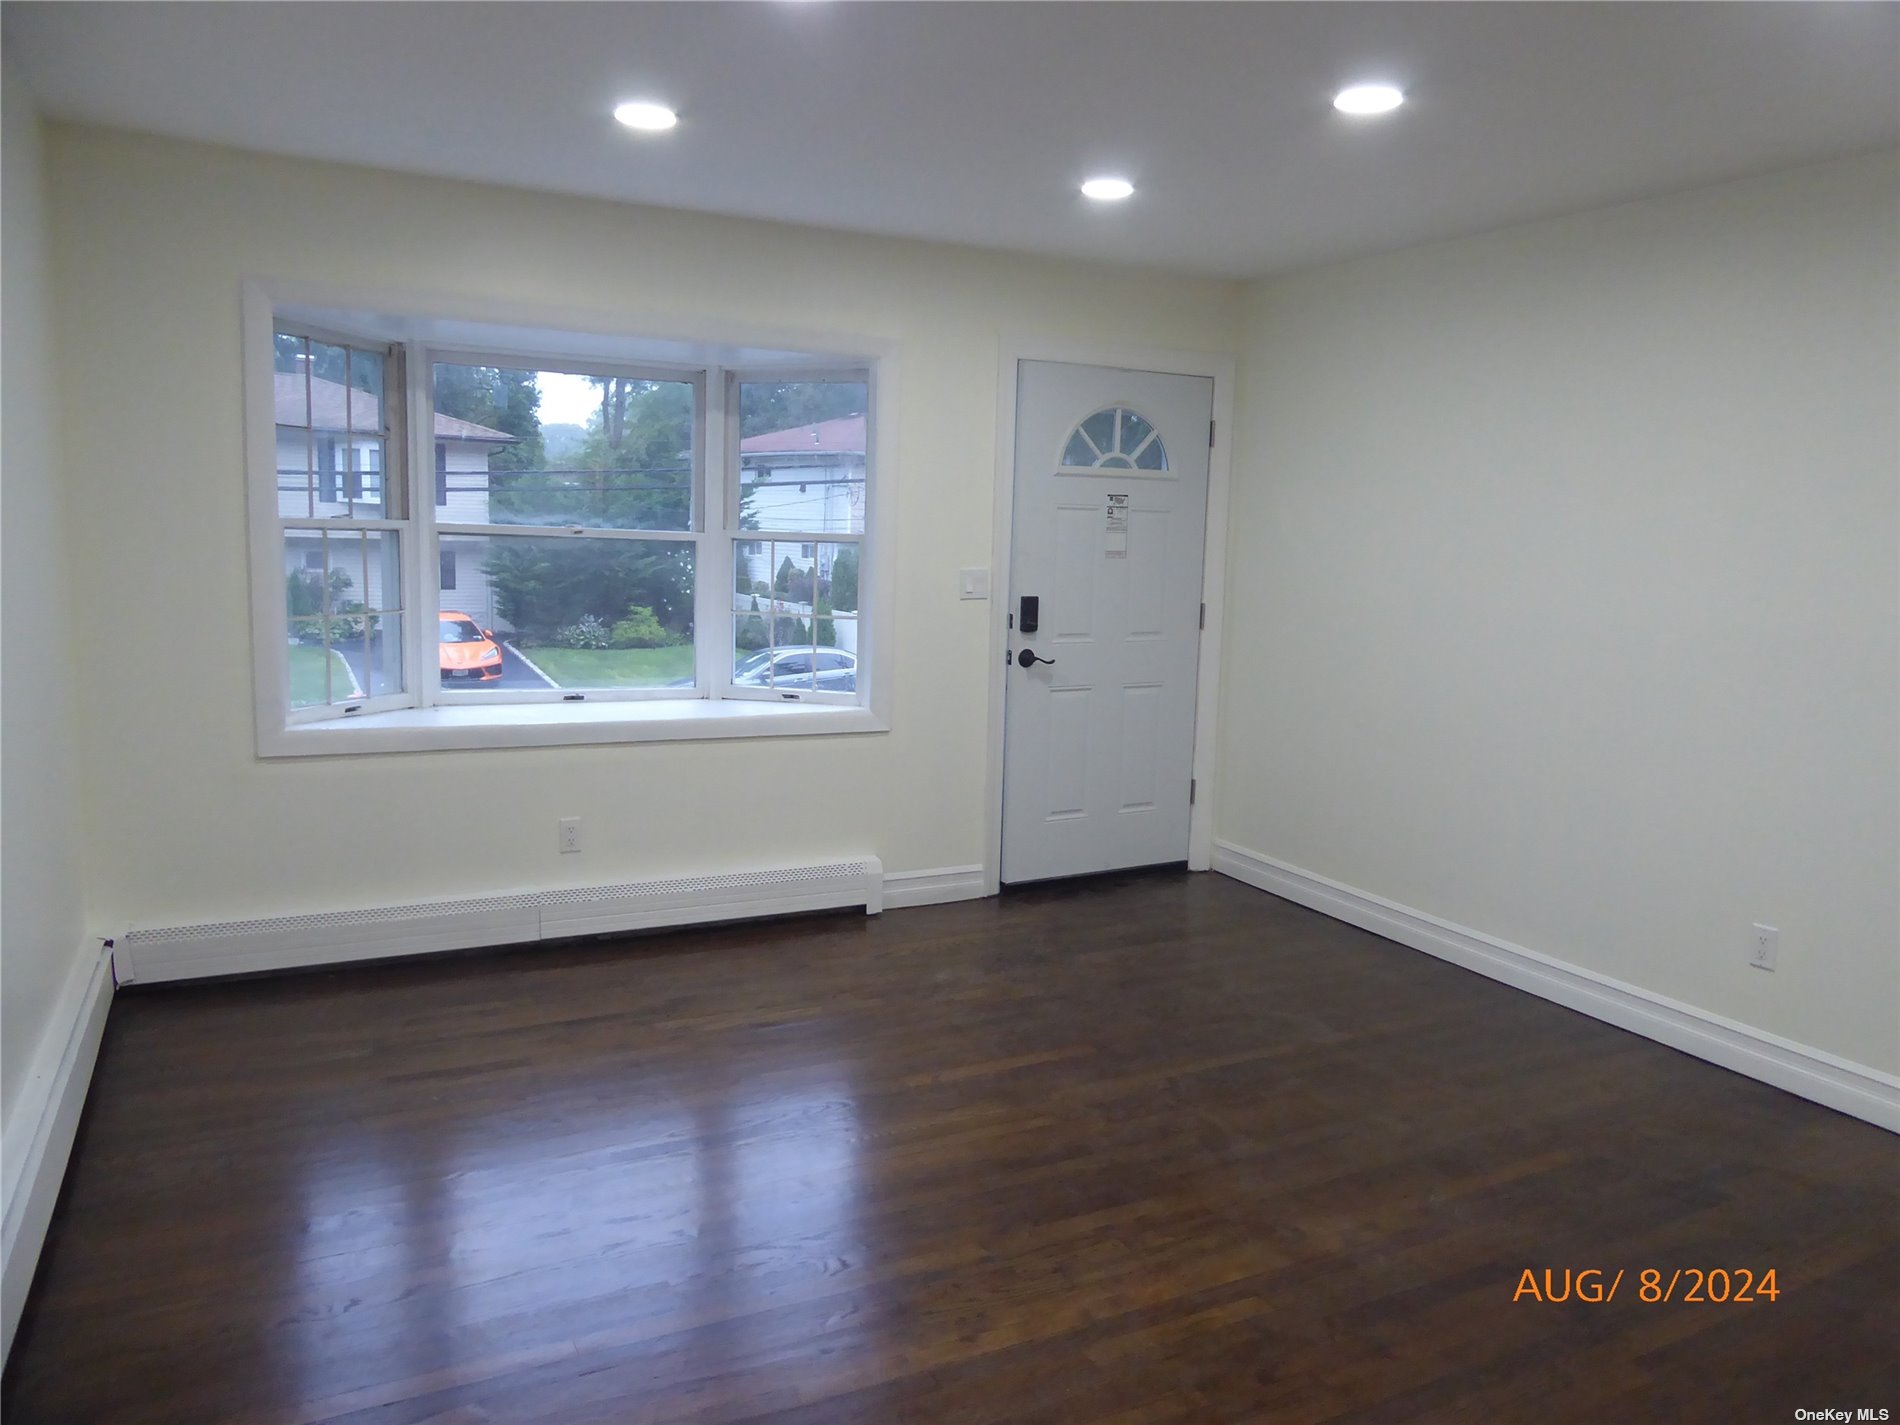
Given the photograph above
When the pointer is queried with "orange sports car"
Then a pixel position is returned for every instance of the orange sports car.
(470, 654)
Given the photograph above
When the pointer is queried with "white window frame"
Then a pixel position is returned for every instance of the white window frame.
(431, 527)
(866, 669)
(426, 716)
(395, 426)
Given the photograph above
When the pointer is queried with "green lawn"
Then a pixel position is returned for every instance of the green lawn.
(613, 667)
(306, 675)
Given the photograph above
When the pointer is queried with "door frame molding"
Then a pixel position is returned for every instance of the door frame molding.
(1014, 350)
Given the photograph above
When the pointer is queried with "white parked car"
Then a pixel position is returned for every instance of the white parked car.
(828, 670)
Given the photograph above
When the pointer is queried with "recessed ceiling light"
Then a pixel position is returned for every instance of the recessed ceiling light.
(1108, 190)
(1368, 99)
(646, 116)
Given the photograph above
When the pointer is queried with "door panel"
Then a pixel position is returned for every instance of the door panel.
(1110, 523)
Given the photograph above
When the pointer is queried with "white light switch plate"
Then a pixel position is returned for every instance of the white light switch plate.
(973, 583)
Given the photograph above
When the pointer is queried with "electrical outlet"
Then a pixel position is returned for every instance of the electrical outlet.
(1764, 945)
(570, 835)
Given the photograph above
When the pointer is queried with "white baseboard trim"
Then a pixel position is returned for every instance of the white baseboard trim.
(39, 1135)
(1856, 1089)
(946, 883)
(181, 952)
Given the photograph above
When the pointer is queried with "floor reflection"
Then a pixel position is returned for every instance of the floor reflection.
(425, 1253)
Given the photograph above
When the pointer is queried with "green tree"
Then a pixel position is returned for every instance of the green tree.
(632, 470)
(779, 405)
(844, 581)
(787, 571)
(750, 634)
(304, 590)
(544, 585)
(504, 399)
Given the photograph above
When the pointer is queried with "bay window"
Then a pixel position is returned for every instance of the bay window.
(461, 539)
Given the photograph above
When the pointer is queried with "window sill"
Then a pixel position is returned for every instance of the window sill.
(442, 729)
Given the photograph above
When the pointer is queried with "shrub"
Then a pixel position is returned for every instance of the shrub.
(798, 588)
(345, 625)
(303, 592)
(639, 629)
(585, 632)
(749, 630)
(542, 591)
(844, 581)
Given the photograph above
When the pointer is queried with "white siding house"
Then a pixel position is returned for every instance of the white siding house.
(807, 478)
(331, 463)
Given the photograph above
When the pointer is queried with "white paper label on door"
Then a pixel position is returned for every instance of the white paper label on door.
(1117, 540)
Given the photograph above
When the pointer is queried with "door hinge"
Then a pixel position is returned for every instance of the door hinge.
(1190, 791)
(1203, 615)
(1210, 435)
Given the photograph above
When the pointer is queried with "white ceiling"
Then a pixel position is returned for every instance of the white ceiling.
(974, 122)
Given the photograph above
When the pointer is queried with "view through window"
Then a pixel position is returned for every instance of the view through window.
(560, 536)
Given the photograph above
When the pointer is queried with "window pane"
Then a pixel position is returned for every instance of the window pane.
(837, 643)
(529, 613)
(838, 577)
(1123, 439)
(519, 446)
(786, 628)
(381, 655)
(1135, 429)
(296, 478)
(288, 357)
(342, 591)
(341, 571)
(1079, 451)
(312, 666)
(802, 455)
(332, 433)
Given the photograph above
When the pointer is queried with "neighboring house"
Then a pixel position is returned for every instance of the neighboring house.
(322, 471)
(808, 478)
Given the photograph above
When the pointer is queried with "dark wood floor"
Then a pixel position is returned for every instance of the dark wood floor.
(1153, 1149)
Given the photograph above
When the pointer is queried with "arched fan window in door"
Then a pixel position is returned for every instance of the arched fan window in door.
(1115, 438)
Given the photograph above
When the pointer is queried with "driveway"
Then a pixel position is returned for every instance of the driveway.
(515, 672)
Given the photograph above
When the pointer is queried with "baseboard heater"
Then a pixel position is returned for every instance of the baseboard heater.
(150, 954)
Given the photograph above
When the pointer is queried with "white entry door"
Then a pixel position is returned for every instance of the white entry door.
(1105, 592)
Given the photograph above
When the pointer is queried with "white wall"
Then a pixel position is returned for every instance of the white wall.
(1565, 592)
(152, 239)
(41, 912)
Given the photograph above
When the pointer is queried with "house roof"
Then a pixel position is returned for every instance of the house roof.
(327, 411)
(843, 435)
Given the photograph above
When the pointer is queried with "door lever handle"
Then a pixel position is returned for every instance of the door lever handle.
(1027, 659)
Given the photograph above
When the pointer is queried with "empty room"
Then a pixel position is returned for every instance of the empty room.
(836, 712)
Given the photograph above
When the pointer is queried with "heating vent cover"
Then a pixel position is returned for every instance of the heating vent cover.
(173, 952)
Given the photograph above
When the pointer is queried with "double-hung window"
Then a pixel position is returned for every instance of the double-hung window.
(473, 537)
(571, 547)
(798, 489)
(342, 536)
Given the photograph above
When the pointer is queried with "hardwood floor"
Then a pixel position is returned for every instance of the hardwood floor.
(1147, 1149)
